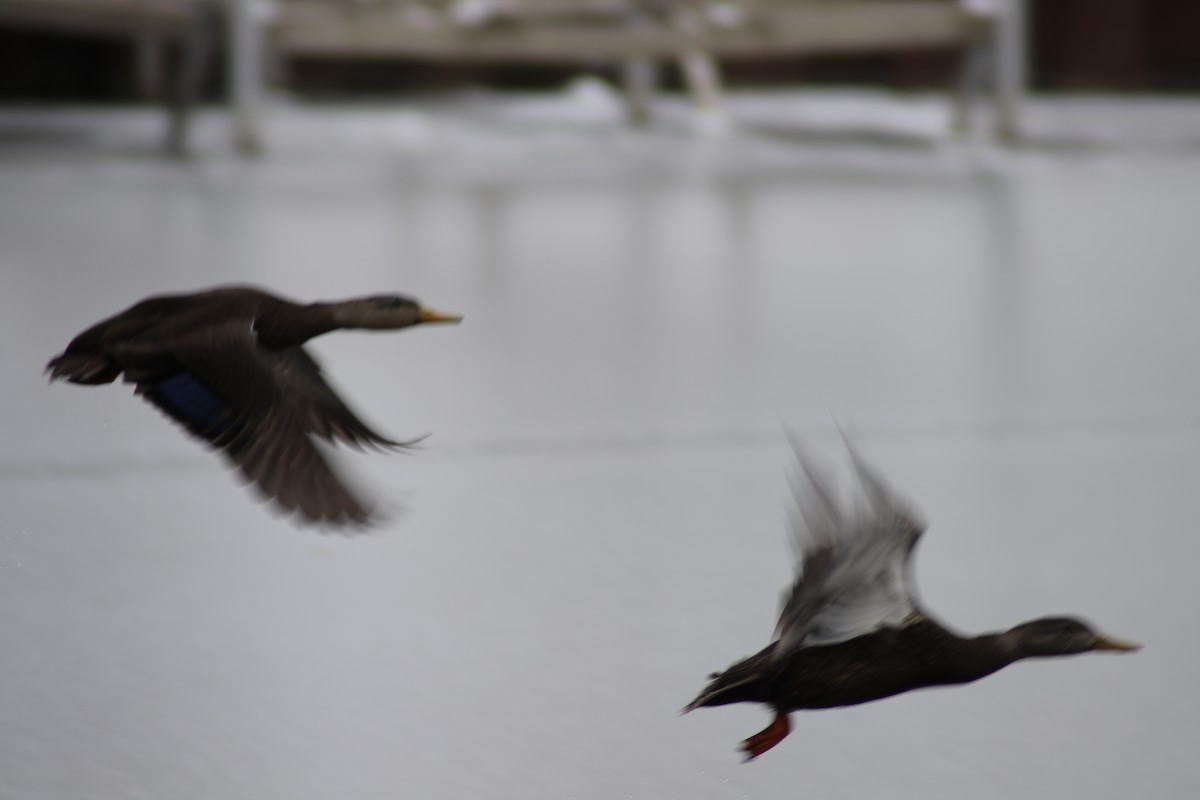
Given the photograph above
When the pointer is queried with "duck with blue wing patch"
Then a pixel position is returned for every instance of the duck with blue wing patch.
(851, 628)
(228, 364)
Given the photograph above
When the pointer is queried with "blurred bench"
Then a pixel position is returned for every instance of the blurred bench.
(698, 33)
(634, 33)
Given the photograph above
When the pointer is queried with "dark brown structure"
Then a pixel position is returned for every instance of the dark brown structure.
(1117, 44)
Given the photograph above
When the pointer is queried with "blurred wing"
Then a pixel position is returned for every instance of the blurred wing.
(325, 413)
(226, 392)
(853, 573)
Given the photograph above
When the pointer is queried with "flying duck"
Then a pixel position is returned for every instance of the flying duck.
(852, 630)
(228, 364)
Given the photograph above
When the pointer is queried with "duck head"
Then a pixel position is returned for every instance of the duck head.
(386, 312)
(1061, 636)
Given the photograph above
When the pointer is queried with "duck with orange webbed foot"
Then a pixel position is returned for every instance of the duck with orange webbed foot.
(851, 629)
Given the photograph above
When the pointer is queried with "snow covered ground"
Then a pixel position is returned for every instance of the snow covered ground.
(597, 520)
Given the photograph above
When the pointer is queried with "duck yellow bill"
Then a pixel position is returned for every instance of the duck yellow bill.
(429, 315)
(1107, 643)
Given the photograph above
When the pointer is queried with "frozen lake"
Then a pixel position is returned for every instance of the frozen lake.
(597, 520)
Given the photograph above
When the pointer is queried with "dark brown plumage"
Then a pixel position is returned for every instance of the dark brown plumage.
(228, 365)
(851, 629)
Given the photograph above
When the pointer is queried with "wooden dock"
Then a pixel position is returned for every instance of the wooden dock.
(635, 33)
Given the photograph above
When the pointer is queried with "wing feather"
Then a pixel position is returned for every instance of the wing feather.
(853, 557)
(249, 415)
(325, 413)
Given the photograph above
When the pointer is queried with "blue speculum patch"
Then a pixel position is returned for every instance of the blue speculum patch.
(195, 402)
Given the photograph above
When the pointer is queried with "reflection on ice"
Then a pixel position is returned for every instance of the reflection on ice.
(595, 521)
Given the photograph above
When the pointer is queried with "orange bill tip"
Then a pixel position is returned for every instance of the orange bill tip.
(429, 315)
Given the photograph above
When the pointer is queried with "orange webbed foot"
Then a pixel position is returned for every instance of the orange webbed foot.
(768, 737)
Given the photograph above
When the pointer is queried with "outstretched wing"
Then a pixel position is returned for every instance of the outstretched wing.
(325, 413)
(853, 574)
(227, 392)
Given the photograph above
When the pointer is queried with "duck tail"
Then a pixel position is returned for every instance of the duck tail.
(86, 368)
(719, 690)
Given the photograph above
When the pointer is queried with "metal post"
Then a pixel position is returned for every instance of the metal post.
(639, 71)
(639, 76)
(149, 66)
(701, 73)
(973, 71)
(195, 60)
(703, 78)
(1010, 69)
(246, 74)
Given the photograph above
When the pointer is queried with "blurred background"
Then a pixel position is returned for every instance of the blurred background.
(966, 231)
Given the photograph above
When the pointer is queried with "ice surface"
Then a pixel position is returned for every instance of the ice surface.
(597, 521)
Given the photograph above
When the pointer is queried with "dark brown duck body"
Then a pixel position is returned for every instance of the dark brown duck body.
(887, 662)
(140, 336)
(228, 365)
